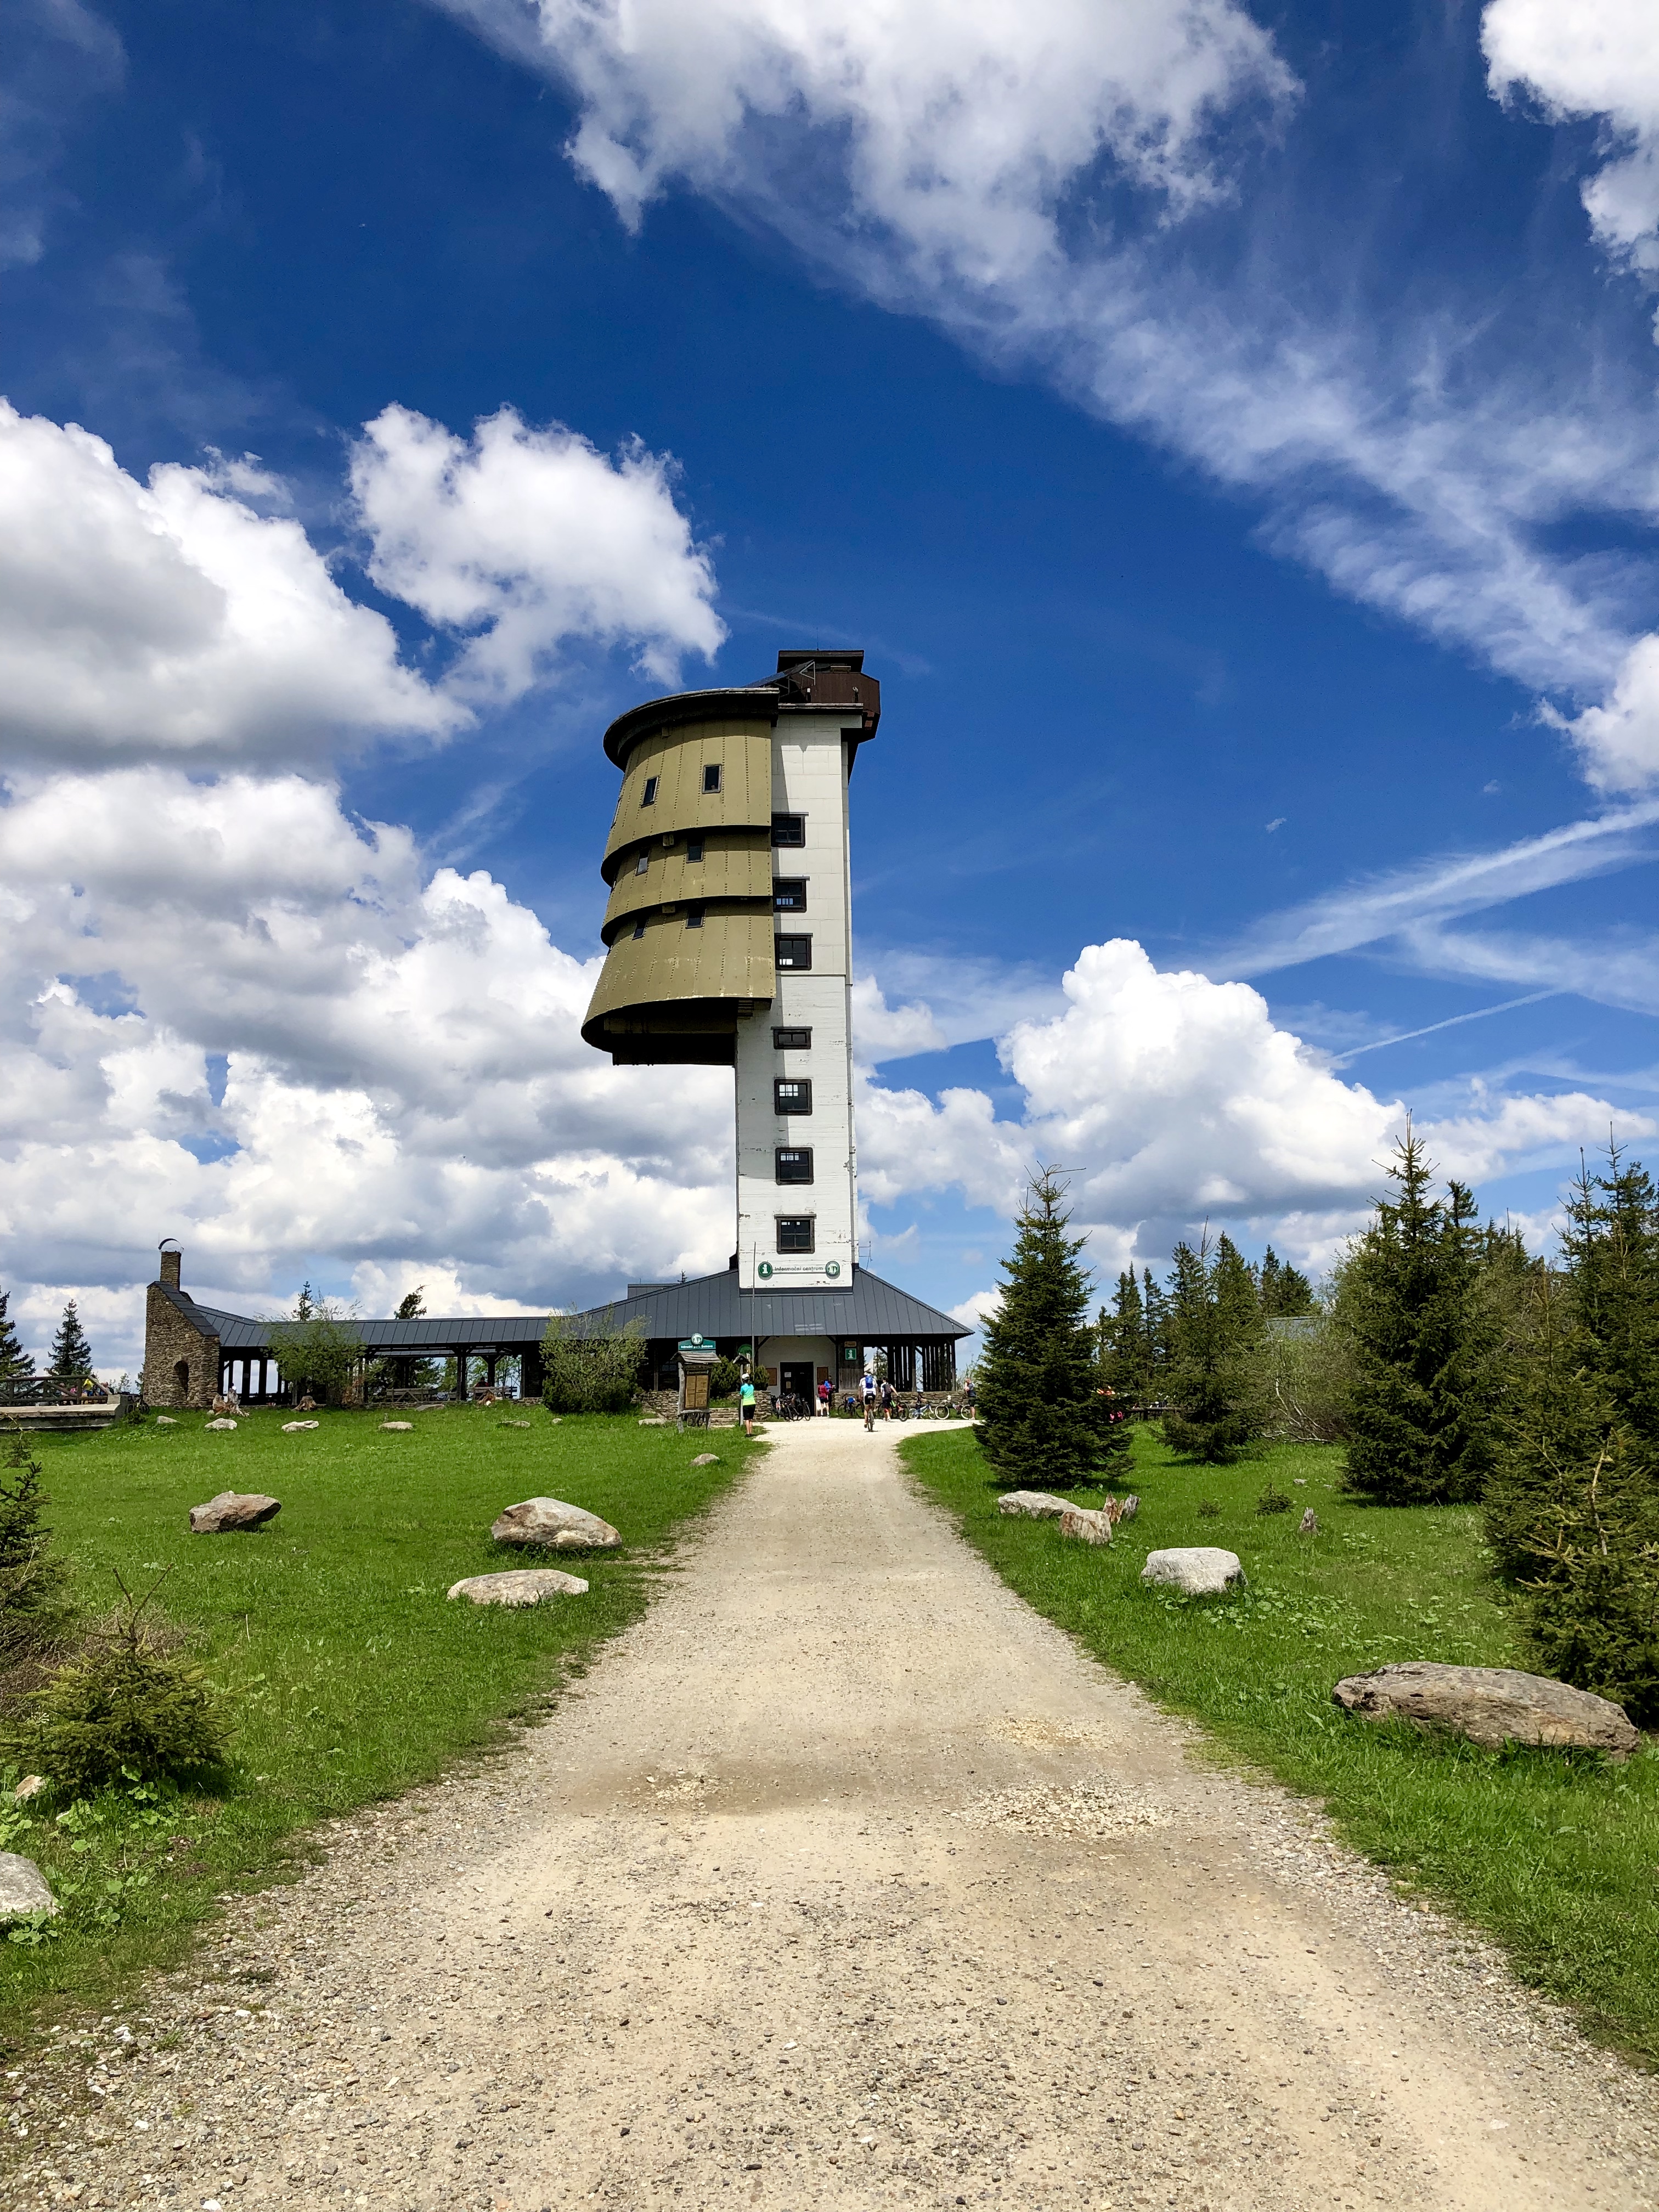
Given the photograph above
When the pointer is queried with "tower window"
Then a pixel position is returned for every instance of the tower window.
(648, 796)
(794, 1163)
(793, 952)
(789, 894)
(792, 1094)
(639, 927)
(711, 777)
(694, 917)
(788, 829)
(694, 848)
(796, 1232)
(791, 1039)
(641, 864)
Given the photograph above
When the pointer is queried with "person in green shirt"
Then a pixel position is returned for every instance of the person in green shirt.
(746, 1402)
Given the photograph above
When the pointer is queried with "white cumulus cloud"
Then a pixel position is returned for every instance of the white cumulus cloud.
(521, 540)
(1593, 58)
(170, 618)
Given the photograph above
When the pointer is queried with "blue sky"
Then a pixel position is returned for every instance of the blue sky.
(1231, 438)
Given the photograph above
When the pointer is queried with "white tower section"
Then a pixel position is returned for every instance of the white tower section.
(797, 1184)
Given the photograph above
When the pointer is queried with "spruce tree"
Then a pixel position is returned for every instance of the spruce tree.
(1044, 1421)
(1572, 1508)
(33, 1604)
(1425, 1345)
(1125, 1352)
(71, 1355)
(15, 1365)
(1282, 1290)
(1213, 1384)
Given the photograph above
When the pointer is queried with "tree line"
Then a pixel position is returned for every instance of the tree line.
(1456, 1367)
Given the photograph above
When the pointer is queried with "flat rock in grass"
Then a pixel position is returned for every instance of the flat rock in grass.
(398, 1428)
(232, 1510)
(166, 1421)
(554, 1527)
(519, 1586)
(24, 1890)
(1033, 1504)
(515, 1424)
(1081, 1526)
(706, 1459)
(293, 1428)
(1195, 1570)
(1491, 1705)
(221, 1424)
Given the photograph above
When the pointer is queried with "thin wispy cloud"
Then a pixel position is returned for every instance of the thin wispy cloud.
(1452, 1022)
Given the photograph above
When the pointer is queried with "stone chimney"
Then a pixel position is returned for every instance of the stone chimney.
(171, 1262)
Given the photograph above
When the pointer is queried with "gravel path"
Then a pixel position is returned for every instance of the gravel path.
(843, 1880)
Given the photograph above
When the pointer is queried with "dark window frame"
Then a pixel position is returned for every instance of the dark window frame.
(788, 831)
(798, 959)
(639, 929)
(711, 779)
(782, 884)
(694, 849)
(641, 864)
(803, 1083)
(648, 796)
(790, 1157)
(694, 914)
(785, 1039)
(802, 1232)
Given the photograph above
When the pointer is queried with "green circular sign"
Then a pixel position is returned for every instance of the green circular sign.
(764, 1271)
(832, 1267)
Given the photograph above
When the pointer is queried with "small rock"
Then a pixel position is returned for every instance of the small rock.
(706, 1459)
(1195, 1569)
(1081, 1526)
(222, 1423)
(1309, 1523)
(400, 1428)
(1121, 1509)
(515, 1425)
(1491, 1705)
(307, 1406)
(556, 1526)
(293, 1428)
(230, 1511)
(654, 1421)
(518, 1586)
(30, 1786)
(1033, 1504)
(24, 1890)
(166, 1421)
(1300, 1480)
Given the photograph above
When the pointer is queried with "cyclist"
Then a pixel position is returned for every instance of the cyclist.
(869, 1398)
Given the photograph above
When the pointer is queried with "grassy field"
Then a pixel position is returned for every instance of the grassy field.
(349, 1675)
(1555, 1856)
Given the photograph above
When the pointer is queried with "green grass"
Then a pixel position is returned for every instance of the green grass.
(1555, 1856)
(347, 1673)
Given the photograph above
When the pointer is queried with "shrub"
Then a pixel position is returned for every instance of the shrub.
(126, 1705)
(595, 1371)
(34, 1606)
(1043, 1414)
(1272, 1499)
(317, 1350)
(1306, 1367)
(724, 1377)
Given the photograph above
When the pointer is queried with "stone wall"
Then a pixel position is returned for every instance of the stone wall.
(169, 1339)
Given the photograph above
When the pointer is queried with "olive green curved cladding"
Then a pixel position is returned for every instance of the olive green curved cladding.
(664, 793)
(688, 927)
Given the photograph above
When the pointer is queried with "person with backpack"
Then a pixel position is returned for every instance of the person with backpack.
(869, 1400)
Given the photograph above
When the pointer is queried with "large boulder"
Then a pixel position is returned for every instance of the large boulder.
(1492, 1705)
(1080, 1526)
(554, 1527)
(24, 1890)
(1033, 1504)
(1195, 1570)
(518, 1586)
(231, 1510)
(222, 1424)
(293, 1428)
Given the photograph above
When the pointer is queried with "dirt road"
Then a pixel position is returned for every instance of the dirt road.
(845, 1881)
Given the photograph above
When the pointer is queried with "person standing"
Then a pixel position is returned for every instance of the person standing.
(746, 1402)
(886, 1399)
(823, 1399)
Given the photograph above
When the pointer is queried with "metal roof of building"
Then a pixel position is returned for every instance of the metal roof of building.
(870, 1312)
